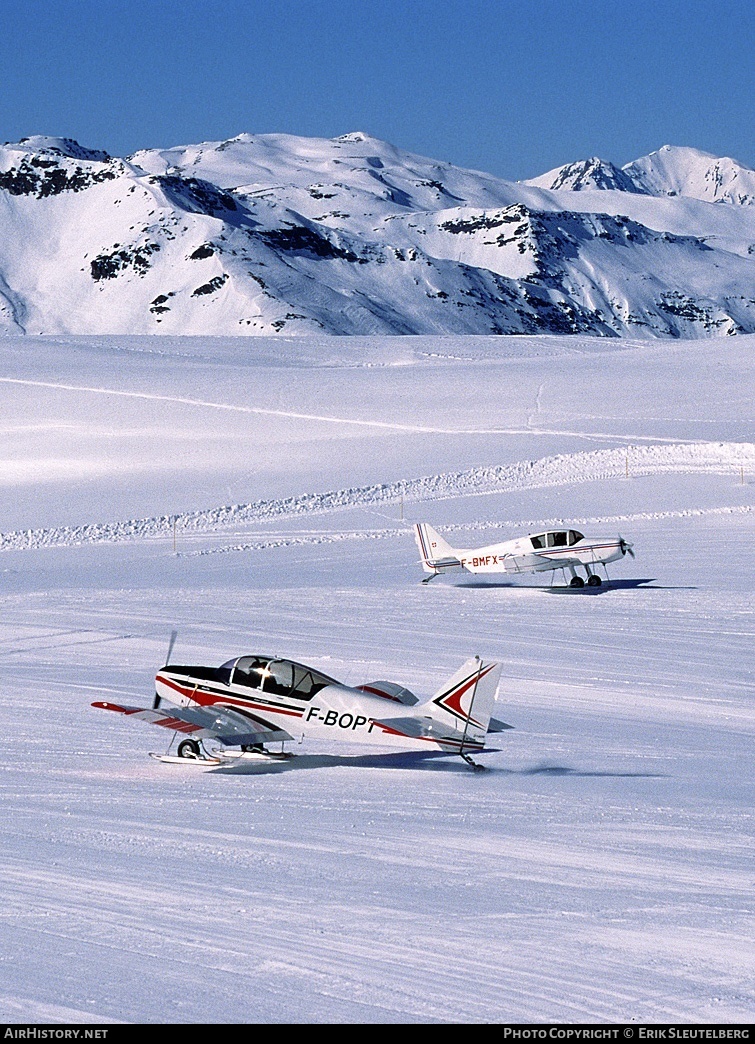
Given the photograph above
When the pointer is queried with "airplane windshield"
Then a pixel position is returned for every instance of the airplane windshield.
(249, 671)
(278, 677)
(560, 539)
(307, 682)
(284, 678)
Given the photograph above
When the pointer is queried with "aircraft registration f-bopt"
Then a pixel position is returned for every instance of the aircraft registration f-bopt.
(254, 700)
(537, 553)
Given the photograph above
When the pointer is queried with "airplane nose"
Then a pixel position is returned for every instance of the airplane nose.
(626, 547)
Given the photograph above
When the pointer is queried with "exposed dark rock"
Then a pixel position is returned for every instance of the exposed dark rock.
(485, 220)
(203, 251)
(298, 239)
(210, 287)
(198, 197)
(41, 178)
(159, 305)
(109, 266)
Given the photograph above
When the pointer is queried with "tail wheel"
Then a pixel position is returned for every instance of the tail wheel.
(188, 749)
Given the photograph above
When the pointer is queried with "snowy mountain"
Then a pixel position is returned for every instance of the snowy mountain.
(593, 173)
(671, 171)
(688, 172)
(274, 233)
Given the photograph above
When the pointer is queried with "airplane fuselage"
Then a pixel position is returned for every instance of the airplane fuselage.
(251, 701)
(323, 709)
(519, 556)
(535, 553)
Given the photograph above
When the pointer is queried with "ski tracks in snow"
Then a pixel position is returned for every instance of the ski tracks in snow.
(317, 539)
(560, 470)
(320, 418)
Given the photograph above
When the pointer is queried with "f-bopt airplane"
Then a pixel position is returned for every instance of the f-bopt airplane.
(537, 553)
(254, 700)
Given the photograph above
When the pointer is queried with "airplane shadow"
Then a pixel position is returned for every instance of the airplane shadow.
(490, 583)
(398, 760)
(605, 587)
(564, 770)
(435, 761)
(617, 585)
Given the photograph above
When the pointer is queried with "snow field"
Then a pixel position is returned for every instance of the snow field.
(600, 870)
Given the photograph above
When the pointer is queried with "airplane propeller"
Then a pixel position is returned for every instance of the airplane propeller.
(171, 643)
(625, 547)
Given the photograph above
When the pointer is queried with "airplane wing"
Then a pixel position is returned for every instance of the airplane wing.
(227, 726)
(560, 555)
(538, 561)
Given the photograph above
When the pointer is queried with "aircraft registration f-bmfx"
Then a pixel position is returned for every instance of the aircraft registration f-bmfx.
(253, 700)
(541, 552)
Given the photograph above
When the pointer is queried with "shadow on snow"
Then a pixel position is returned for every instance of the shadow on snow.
(423, 760)
(605, 587)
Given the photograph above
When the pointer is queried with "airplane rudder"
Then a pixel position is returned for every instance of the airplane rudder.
(423, 545)
(467, 697)
(437, 546)
(484, 693)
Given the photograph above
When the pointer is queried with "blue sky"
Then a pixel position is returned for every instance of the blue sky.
(514, 87)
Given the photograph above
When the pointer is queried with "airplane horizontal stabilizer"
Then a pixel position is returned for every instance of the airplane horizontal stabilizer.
(419, 728)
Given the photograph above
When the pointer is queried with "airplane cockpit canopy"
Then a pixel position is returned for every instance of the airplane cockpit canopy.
(558, 538)
(277, 677)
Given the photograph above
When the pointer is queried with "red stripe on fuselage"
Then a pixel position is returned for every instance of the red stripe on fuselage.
(211, 699)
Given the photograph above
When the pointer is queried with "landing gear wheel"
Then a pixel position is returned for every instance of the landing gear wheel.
(576, 581)
(188, 749)
(594, 580)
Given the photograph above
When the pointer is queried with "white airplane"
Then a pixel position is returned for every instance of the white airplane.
(254, 700)
(555, 549)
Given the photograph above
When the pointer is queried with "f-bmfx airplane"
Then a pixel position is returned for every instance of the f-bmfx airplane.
(558, 549)
(253, 700)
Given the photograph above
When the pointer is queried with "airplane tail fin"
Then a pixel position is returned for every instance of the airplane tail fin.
(436, 554)
(465, 702)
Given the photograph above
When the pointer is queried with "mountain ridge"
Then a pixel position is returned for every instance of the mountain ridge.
(273, 233)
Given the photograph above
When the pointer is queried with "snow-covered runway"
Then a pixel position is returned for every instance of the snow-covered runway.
(600, 870)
